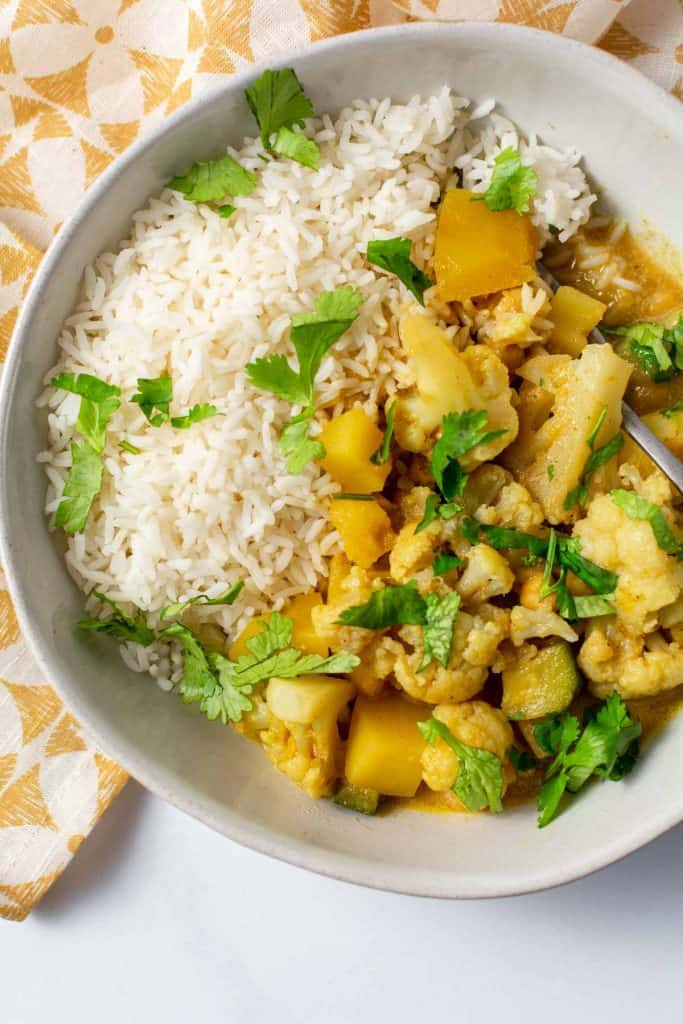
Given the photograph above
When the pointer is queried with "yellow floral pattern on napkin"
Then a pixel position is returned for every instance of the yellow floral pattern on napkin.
(79, 81)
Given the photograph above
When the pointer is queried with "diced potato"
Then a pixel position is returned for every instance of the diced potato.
(543, 684)
(668, 429)
(307, 699)
(385, 745)
(574, 315)
(349, 442)
(450, 381)
(479, 251)
(597, 379)
(304, 635)
(364, 528)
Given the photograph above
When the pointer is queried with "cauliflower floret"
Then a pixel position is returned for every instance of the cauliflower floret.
(649, 579)
(348, 585)
(475, 724)
(487, 574)
(538, 622)
(476, 639)
(447, 380)
(514, 507)
(376, 665)
(635, 666)
(302, 739)
(413, 551)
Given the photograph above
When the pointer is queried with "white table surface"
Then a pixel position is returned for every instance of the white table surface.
(160, 920)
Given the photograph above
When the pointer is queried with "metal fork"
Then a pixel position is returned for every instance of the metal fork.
(632, 423)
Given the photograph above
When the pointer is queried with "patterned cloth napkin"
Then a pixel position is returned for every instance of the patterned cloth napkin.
(79, 81)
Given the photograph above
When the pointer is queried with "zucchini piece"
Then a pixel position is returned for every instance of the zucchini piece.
(543, 685)
(365, 801)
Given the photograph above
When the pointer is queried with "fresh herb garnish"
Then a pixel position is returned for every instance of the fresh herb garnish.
(392, 606)
(437, 631)
(212, 181)
(460, 433)
(277, 100)
(550, 470)
(568, 606)
(479, 782)
(99, 401)
(404, 605)
(154, 393)
(132, 449)
(512, 183)
(597, 458)
(297, 147)
(82, 485)
(431, 505)
(172, 611)
(297, 446)
(636, 507)
(129, 628)
(658, 349)
(521, 760)
(444, 563)
(222, 687)
(199, 412)
(606, 748)
(382, 454)
(226, 210)
(673, 409)
(602, 581)
(393, 254)
(348, 496)
(312, 335)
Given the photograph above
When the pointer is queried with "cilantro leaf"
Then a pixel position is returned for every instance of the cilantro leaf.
(132, 449)
(154, 393)
(349, 496)
(277, 100)
(437, 631)
(213, 180)
(512, 183)
(602, 581)
(658, 349)
(479, 782)
(393, 254)
(226, 210)
(597, 458)
(312, 334)
(587, 606)
(228, 701)
(460, 433)
(550, 470)
(274, 374)
(129, 628)
(171, 611)
(382, 454)
(449, 509)
(636, 507)
(196, 414)
(297, 147)
(270, 655)
(606, 748)
(82, 485)
(297, 446)
(392, 606)
(521, 760)
(673, 409)
(445, 563)
(431, 505)
(99, 401)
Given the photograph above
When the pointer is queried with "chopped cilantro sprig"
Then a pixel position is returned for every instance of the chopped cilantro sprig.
(512, 183)
(279, 104)
(393, 255)
(598, 457)
(636, 507)
(479, 782)
(120, 625)
(658, 349)
(213, 180)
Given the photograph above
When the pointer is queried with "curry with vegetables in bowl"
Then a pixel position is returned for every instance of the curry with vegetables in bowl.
(336, 465)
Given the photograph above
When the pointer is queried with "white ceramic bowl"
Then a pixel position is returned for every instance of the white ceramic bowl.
(632, 136)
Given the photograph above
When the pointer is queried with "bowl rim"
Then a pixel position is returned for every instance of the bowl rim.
(226, 820)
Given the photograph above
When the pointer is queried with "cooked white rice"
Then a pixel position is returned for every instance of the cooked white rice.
(197, 296)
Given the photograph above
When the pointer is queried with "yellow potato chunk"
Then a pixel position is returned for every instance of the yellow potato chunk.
(364, 528)
(479, 251)
(304, 635)
(349, 442)
(308, 699)
(385, 745)
(574, 315)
